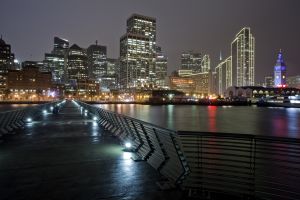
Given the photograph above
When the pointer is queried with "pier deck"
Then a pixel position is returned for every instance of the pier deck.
(68, 156)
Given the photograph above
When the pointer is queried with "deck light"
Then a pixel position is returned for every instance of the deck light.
(128, 145)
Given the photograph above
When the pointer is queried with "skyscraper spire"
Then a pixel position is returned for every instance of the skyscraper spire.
(96, 42)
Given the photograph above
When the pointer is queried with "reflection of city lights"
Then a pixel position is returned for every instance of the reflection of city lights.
(95, 118)
(29, 119)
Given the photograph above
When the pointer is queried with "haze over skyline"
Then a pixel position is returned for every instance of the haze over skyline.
(207, 26)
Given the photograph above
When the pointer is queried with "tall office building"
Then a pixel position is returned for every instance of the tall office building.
(56, 62)
(6, 63)
(243, 58)
(137, 52)
(97, 61)
(77, 63)
(223, 76)
(205, 63)
(6, 57)
(161, 67)
(280, 72)
(61, 46)
(110, 80)
(191, 61)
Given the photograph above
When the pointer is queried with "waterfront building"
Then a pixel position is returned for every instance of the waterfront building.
(205, 64)
(280, 72)
(269, 81)
(137, 52)
(161, 68)
(184, 84)
(243, 58)
(199, 83)
(293, 81)
(259, 91)
(97, 61)
(29, 83)
(191, 61)
(77, 63)
(6, 63)
(223, 76)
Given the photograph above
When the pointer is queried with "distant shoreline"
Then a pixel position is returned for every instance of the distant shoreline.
(177, 103)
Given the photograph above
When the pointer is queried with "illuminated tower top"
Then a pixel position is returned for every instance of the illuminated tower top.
(280, 71)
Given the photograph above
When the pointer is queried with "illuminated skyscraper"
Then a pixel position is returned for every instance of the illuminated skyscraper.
(280, 72)
(77, 63)
(137, 52)
(56, 62)
(97, 63)
(6, 63)
(161, 67)
(191, 61)
(243, 58)
(223, 76)
(60, 46)
(205, 63)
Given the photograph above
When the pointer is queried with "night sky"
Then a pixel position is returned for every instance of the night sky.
(207, 26)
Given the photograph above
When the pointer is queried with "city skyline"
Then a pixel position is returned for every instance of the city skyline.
(173, 33)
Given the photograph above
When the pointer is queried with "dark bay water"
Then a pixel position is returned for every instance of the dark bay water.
(281, 122)
(8, 107)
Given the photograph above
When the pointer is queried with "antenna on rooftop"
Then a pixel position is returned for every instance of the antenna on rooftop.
(96, 42)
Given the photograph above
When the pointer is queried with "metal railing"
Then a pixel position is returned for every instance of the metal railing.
(247, 166)
(158, 146)
(15, 119)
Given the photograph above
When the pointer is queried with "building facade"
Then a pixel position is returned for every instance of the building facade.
(191, 61)
(29, 83)
(223, 76)
(137, 52)
(6, 63)
(280, 72)
(269, 81)
(294, 81)
(243, 58)
(97, 61)
(205, 64)
(77, 63)
(56, 62)
(161, 68)
(200, 83)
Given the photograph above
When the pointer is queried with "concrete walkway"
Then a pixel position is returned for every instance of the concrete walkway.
(68, 156)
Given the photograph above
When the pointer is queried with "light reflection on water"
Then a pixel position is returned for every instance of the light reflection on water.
(282, 122)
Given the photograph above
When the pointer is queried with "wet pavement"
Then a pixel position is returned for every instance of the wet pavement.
(68, 156)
